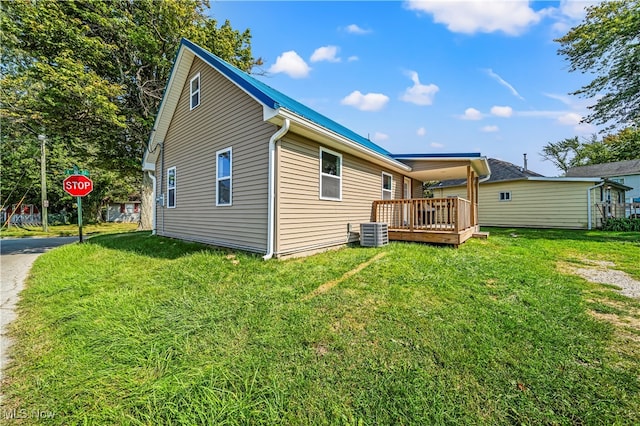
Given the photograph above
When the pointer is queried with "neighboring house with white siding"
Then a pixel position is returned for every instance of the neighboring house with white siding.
(238, 164)
(127, 211)
(515, 197)
(624, 172)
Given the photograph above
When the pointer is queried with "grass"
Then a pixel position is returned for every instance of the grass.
(66, 230)
(147, 330)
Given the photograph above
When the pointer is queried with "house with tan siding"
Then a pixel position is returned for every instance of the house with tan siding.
(516, 197)
(236, 163)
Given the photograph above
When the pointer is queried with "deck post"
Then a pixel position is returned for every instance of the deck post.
(412, 212)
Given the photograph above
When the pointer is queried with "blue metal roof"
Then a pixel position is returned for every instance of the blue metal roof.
(275, 99)
(438, 155)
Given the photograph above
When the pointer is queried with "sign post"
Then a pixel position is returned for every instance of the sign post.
(78, 185)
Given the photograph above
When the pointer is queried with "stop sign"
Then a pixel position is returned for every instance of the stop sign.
(77, 185)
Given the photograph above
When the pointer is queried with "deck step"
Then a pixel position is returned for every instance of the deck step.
(481, 235)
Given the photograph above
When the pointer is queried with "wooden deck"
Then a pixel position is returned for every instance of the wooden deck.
(428, 220)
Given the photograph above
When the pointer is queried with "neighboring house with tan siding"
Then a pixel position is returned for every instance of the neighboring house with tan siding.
(515, 197)
(238, 164)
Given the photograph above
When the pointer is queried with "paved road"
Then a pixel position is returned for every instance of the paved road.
(16, 257)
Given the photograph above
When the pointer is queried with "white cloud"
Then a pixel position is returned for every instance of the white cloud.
(353, 58)
(368, 102)
(490, 129)
(503, 82)
(419, 94)
(379, 137)
(355, 29)
(436, 145)
(471, 114)
(569, 13)
(502, 111)
(291, 64)
(570, 119)
(472, 16)
(421, 131)
(585, 129)
(325, 53)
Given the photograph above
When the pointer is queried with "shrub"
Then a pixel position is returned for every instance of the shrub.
(621, 224)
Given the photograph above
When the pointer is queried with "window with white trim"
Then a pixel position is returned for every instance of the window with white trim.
(387, 183)
(505, 196)
(330, 175)
(171, 187)
(223, 177)
(194, 84)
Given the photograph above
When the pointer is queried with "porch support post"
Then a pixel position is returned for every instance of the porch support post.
(469, 182)
(476, 185)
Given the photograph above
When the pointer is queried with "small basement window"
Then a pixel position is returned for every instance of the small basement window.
(223, 177)
(505, 196)
(330, 175)
(387, 183)
(171, 187)
(195, 91)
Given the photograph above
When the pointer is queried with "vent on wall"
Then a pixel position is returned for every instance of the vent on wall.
(374, 234)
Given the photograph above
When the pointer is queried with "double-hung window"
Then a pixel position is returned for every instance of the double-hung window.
(387, 182)
(330, 175)
(171, 187)
(195, 91)
(223, 177)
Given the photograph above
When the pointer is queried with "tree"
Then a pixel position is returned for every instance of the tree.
(607, 44)
(90, 74)
(561, 153)
(571, 152)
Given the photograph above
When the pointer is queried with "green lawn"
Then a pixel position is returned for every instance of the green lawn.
(66, 230)
(137, 329)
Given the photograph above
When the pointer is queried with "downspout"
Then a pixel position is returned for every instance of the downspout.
(589, 203)
(271, 220)
(152, 175)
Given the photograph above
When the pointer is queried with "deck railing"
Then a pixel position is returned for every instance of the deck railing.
(451, 214)
(617, 210)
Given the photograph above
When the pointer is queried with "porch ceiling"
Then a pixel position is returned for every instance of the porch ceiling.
(444, 169)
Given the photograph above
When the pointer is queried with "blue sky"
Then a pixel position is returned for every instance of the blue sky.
(426, 76)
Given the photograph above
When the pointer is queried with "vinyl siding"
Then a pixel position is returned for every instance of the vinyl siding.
(535, 204)
(226, 117)
(305, 222)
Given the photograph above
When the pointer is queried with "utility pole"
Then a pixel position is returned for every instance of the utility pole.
(43, 182)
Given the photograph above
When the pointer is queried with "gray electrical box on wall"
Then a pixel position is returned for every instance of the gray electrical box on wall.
(374, 234)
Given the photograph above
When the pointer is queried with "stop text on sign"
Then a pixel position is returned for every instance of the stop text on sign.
(77, 185)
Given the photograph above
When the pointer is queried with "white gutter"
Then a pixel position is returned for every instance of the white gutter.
(589, 202)
(343, 141)
(271, 220)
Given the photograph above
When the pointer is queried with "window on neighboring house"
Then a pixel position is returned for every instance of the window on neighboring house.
(122, 208)
(171, 187)
(505, 196)
(330, 175)
(195, 91)
(136, 208)
(223, 177)
(387, 182)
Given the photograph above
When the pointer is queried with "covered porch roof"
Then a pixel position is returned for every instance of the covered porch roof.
(426, 167)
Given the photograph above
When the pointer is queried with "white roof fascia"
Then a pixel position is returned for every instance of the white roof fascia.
(339, 141)
(472, 160)
(169, 102)
(564, 179)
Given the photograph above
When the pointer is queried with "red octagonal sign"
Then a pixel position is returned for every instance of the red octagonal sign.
(77, 185)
